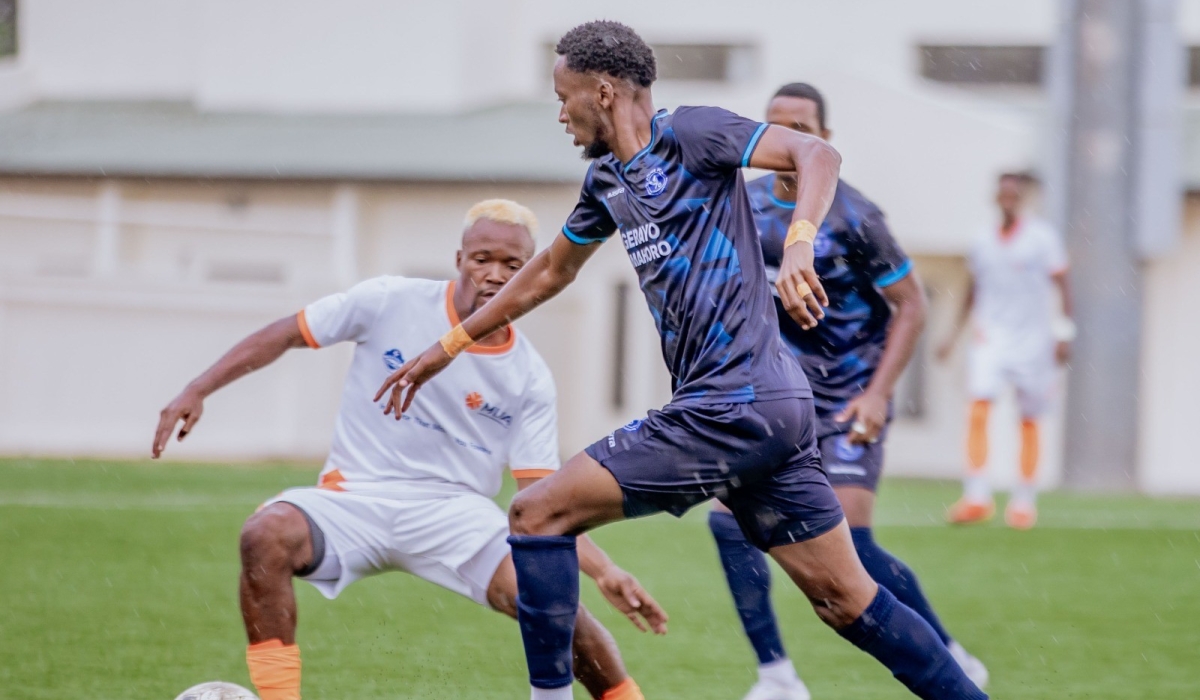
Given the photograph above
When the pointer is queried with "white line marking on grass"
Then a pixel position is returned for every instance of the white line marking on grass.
(36, 499)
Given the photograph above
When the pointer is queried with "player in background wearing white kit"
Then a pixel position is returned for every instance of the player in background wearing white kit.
(415, 495)
(1016, 338)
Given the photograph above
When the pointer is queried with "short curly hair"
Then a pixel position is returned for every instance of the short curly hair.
(611, 48)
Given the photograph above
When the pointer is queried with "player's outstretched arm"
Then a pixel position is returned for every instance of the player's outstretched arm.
(869, 409)
(547, 274)
(960, 322)
(621, 588)
(816, 165)
(257, 350)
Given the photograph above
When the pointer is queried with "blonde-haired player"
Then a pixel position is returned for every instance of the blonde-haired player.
(1016, 339)
(414, 495)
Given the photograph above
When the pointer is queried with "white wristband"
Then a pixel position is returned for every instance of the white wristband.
(1064, 329)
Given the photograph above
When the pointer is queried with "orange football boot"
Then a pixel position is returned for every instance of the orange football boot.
(966, 512)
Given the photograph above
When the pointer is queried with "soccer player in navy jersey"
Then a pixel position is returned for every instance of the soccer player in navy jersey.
(740, 425)
(852, 360)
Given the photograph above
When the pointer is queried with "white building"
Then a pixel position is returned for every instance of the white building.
(175, 174)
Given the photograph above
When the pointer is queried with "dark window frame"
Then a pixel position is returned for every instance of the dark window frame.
(985, 65)
(9, 27)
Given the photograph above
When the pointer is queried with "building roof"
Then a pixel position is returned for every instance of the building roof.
(516, 143)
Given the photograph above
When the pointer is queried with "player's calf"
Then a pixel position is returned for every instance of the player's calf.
(275, 544)
(828, 571)
(596, 660)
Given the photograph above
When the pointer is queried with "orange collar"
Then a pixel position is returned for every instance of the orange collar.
(478, 349)
(1012, 232)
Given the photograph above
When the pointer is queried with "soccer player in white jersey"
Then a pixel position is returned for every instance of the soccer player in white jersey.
(1017, 337)
(415, 495)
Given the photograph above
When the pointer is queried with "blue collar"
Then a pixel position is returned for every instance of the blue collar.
(653, 133)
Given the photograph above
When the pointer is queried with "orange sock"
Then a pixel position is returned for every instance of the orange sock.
(274, 669)
(625, 690)
(977, 436)
(1029, 450)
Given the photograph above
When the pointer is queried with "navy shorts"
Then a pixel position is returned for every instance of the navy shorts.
(760, 459)
(848, 464)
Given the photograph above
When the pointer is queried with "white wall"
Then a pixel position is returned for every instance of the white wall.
(88, 357)
(1167, 412)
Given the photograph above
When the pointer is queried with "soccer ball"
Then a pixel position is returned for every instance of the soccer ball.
(217, 690)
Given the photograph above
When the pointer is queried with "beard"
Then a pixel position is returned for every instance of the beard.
(596, 149)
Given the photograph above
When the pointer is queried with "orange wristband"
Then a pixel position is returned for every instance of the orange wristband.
(456, 341)
(802, 230)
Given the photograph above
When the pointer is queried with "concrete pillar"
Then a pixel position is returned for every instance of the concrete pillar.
(1112, 120)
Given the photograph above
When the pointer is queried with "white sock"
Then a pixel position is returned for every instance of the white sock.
(1025, 493)
(780, 672)
(976, 488)
(563, 693)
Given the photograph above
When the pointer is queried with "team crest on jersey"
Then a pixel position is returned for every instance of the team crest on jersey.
(393, 359)
(633, 425)
(656, 182)
(822, 244)
(846, 450)
(494, 413)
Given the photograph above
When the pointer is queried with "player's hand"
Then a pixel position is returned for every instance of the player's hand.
(1062, 352)
(621, 589)
(412, 375)
(868, 411)
(797, 275)
(186, 407)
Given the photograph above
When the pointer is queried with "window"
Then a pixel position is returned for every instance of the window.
(909, 397)
(716, 63)
(983, 65)
(1194, 66)
(724, 63)
(8, 28)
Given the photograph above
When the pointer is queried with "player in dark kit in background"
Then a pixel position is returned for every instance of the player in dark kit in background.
(740, 425)
(852, 361)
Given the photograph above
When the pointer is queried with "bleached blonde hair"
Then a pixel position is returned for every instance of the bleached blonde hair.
(502, 211)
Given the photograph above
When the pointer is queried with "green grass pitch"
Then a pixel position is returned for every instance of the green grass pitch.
(118, 581)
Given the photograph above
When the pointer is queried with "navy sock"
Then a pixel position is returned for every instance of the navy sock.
(899, 639)
(547, 601)
(894, 575)
(749, 579)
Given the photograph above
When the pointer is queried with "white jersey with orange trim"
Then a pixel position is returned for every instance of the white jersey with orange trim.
(491, 408)
(1014, 294)
(1012, 339)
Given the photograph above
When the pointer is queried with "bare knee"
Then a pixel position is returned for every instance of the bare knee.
(502, 589)
(275, 540)
(530, 514)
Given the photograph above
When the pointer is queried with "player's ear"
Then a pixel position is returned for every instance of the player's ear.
(827, 134)
(458, 260)
(605, 92)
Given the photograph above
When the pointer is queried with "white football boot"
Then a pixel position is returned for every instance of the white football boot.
(778, 681)
(970, 665)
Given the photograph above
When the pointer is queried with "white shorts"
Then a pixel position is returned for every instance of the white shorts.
(456, 541)
(1029, 367)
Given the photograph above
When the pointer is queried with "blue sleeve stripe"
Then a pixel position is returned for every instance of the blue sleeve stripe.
(895, 275)
(750, 146)
(574, 238)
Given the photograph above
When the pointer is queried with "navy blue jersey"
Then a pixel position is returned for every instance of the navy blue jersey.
(855, 257)
(681, 210)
